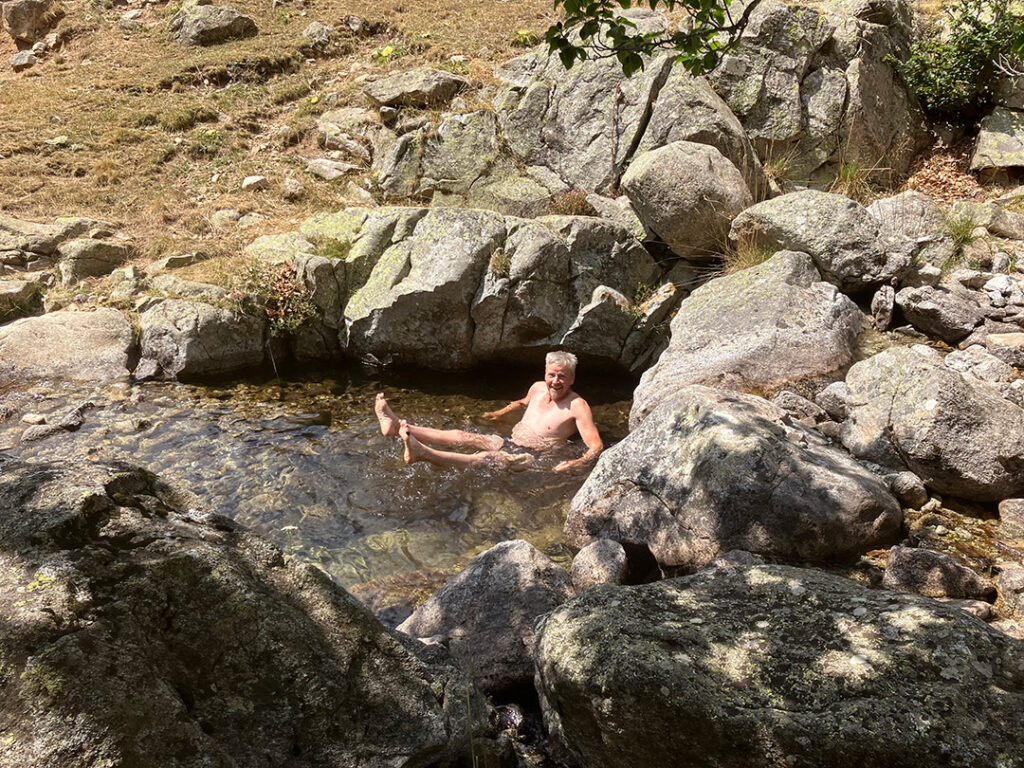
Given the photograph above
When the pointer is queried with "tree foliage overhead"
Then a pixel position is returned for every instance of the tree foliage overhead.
(596, 29)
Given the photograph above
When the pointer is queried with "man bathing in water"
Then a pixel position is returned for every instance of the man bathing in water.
(553, 414)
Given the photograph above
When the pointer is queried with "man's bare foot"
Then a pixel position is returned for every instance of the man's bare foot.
(386, 417)
(413, 447)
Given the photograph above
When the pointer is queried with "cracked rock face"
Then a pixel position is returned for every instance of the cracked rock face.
(138, 631)
(709, 471)
(771, 665)
(84, 346)
(758, 328)
(909, 411)
(190, 338)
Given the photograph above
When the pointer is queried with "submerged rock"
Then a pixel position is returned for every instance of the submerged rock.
(485, 615)
(709, 471)
(139, 631)
(772, 665)
(933, 574)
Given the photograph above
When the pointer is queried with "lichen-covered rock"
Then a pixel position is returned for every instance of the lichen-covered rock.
(939, 312)
(760, 327)
(912, 216)
(1000, 142)
(138, 630)
(687, 194)
(82, 346)
(85, 257)
(957, 433)
(839, 234)
(772, 665)
(421, 87)
(43, 239)
(199, 23)
(27, 20)
(581, 123)
(709, 471)
(485, 615)
(191, 338)
(933, 574)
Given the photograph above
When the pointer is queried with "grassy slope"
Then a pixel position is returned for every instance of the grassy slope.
(126, 102)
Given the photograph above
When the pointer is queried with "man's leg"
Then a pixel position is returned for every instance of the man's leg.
(417, 451)
(444, 438)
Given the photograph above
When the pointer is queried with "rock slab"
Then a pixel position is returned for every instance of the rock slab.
(756, 667)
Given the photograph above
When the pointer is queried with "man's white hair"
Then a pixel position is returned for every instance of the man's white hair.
(565, 359)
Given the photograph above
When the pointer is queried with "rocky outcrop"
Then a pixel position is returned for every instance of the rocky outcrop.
(815, 90)
(939, 312)
(86, 257)
(687, 194)
(190, 338)
(756, 329)
(17, 298)
(709, 471)
(770, 661)
(28, 20)
(143, 631)
(200, 23)
(485, 615)
(421, 87)
(1000, 142)
(82, 346)
(839, 234)
(29, 245)
(909, 411)
(450, 288)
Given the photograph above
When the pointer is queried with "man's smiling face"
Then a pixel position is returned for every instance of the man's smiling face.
(558, 380)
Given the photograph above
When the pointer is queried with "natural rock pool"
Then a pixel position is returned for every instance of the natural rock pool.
(303, 461)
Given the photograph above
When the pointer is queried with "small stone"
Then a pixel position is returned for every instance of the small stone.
(329, 170)
(317, 33)
(1011, 518)
(909, 489)
(33, 418)
(23, 60)
(833, 399)
(292, 189)
(1001, 262)
(602, 562)
(224, 217)
(251, 219)
(255, 183)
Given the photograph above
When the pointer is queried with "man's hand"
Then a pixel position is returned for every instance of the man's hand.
(568, 466)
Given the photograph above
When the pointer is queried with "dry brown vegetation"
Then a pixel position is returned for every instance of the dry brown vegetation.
(131, 128)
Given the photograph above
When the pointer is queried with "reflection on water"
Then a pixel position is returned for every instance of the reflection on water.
(304, 462)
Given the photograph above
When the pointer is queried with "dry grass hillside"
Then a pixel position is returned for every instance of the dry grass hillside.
(129, 127)
(126, 126)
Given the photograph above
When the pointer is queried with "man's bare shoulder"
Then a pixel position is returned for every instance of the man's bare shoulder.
(578, 404)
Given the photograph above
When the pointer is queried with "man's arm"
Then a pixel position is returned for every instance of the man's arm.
(588, 431)
(515, 405)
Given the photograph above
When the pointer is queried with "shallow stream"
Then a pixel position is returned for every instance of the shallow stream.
(304, 462)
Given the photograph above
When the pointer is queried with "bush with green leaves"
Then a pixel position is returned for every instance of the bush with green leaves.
(276, 291)
(596, 29)
(952, 72)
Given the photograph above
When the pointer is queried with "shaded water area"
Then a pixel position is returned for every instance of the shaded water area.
(303, 461)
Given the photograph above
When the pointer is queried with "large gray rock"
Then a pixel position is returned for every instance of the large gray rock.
(43, 239)
(27, 20)
(17, 298)
(85, 257)
(839, 234)
(912, 216)
(939, 312)
(583, 123)
(205, 24)
(770, 666)
(957, 433)
(709, 471)
(688, 109)
(82, 346)
(996, 219)
(933, 574)
(485, 615)
(190, 338)
(687, 194)
(816, 90)
(421, 87)
(1000, 142)
(761, 327)
(139, 631)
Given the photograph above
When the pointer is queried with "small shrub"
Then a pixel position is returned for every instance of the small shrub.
(525, 38)
(960, 230)
(746, 253)
(276, 291)
(183, 118)
(572, 203)
(952, 74)
(501, 263)
(852, 181)
(388, 54)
